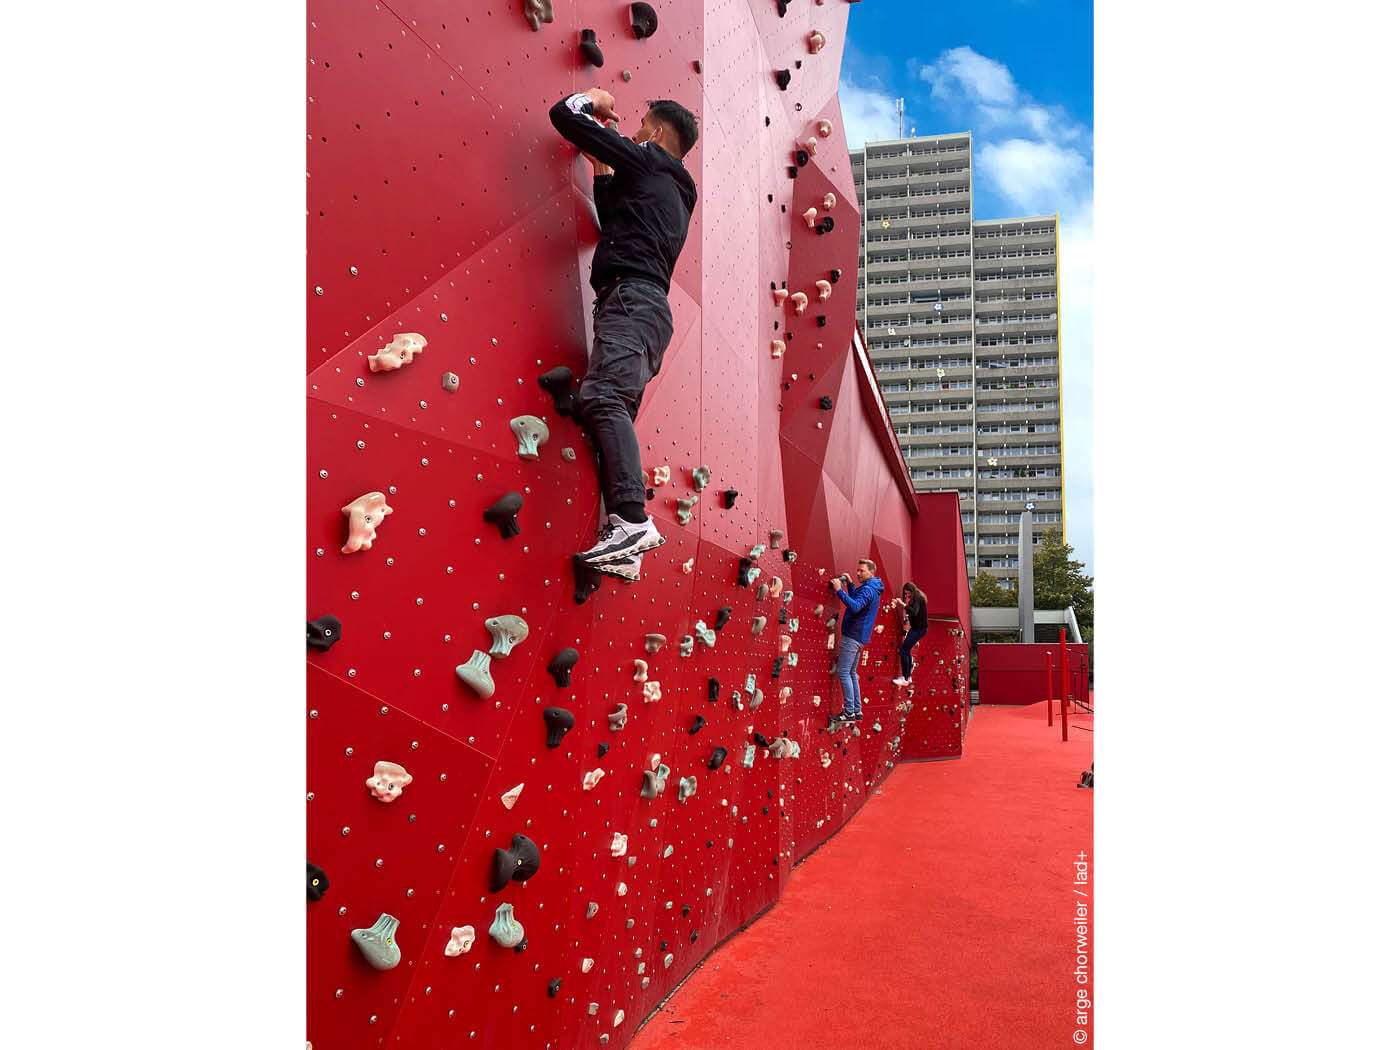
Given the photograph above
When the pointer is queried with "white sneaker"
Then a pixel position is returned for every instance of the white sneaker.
(621, 539)
(901, 682)
(629, 569)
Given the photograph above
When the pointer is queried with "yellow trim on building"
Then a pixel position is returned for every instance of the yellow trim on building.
(1060, 385)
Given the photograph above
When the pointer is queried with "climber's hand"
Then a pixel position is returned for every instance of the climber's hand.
(602, 104)
(599, 168)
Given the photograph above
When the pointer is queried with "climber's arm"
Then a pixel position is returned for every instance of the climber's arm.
(573, 117)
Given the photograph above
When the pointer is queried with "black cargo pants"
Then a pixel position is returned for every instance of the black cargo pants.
(631, 329)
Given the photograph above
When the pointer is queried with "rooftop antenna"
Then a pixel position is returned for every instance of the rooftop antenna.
(899, 106)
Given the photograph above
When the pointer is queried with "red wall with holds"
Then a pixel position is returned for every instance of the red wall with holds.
(442, 202)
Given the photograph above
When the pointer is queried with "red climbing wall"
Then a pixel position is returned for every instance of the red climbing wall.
(441, 202)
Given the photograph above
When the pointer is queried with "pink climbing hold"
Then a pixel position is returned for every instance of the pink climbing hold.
(404, 348)
(366, 514)
(388, 781)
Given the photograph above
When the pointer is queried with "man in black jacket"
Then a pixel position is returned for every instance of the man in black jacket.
(644, 209)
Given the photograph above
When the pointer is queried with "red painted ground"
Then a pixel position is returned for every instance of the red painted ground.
(941, 916)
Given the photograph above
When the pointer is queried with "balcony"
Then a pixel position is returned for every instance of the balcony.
(992, 410)
(989, 281)
(886, 164)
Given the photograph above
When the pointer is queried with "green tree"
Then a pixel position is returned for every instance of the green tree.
(1060, 583)
(986, 594)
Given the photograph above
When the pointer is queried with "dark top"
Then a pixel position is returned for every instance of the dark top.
(644, 209)
(917, 611)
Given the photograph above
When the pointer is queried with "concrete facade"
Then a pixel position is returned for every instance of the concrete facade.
(961, 317)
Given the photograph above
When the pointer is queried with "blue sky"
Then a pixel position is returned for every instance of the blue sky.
(1018, 74)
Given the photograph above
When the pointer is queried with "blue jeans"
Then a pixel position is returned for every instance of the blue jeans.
(631, 329)
(847, 673)
(906, 649)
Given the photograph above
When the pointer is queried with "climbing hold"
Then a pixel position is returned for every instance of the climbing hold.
(591, 910)
(826, 403)
(775, 537)
(775, 584)
(654, 642)
(622, 889)
(749, 751)
(651, 692)
(557, 722)
(784, 692)
(828, 202)
(784, 643)
(760, 739)
(530, 432)
(776, 347)
(506, 633)
(404, 348)
(587, 579)
(661, 475)
(643, 20)
(879, 628)
(365, 514)
(510, 797)
(712, 689)
(816, 40)
(619, 844)
(603, 748)
(461, 941)
(824, 758)
(377, 943)
(792, 659)
(784, 79)
(653, 783)
(504, 930)
(559, 382)
(322, 632)
(562, 665)
(756, 699)
(722, 617)
(782, 616)
(738, 699)
(388, 781)
(688, 566)
(683, 505)
(449, 382)
(537, 11)
(762, 592)
(502, 514)
(777, 667)
(316, 882)
(515, 864)
(756, 551)
(640, 672)
(799, 302)
(750, 576)
(810, 218)
(686, 788)
(787, 597)
(759, 622)
(789, 555)
(618, 718)
(591, 778)
(687, 645)
(700, 476)
(802, 158)
(476, 672)
(823, 128)
(730, 495)
(697, 725)
(744, 565)
(717, 757)
(831, 640)
(779, 295)
(567, 453)
(704, 633)
(588, 44)
(554, 987)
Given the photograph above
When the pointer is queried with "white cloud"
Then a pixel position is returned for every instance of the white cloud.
(963, 71)
(1035, 177)
(868, 113)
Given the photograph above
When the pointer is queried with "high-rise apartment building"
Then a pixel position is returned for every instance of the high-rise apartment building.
(961, 317)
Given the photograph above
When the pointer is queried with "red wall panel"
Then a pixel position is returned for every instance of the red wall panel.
(442, 202)
(1014, 672)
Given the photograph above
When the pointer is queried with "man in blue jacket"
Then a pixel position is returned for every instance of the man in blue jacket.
(862, 601)
(645, 198)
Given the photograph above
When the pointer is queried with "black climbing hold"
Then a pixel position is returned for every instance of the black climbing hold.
(789, 555)
(554, 987)
(557, 722)
(696, 725)
(524, 943)
(560, 384)
(589, 46)
(798, 64)
(694, 936)
(730, 495)
(745, 564)
(777, 666)
(775, 862)
(713, 688)
(782, 8)
(322, 632)
(828, 223)
(826, 404)
(770, 791)
(664, 945)
(792, 174)
(685, 910)
(761, 741)
(784, 79)
(643, 20)
(710, 844)
(587, 579)
(603, 748)
(765, 811)
(502, 514)
(835, 276)
(517, 863)
(787, 386)
(782, 616)
(562, 664)
(316, 882)
(811, 375)
(651, 494)
(717, 757)
(821, 320)
(802, 158)
(722, 617)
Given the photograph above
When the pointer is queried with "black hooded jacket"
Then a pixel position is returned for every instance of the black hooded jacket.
(644, 209)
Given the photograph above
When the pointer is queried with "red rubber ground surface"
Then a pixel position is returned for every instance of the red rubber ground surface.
(941, 916)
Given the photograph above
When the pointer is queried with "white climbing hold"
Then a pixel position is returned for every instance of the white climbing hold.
(651, 692)
(591, 910)
(784, 643)
(687, 645)
(816, 40)
(586, 965)
(619, 844)
(622, 889)
(654, 642)
(810, 218)
(661, 475)
(567, 453)
(617, 1018)
(476, 672)
(450, 382)
(688, 565)
(828, 202)
(759, 622)
(506, 633)
(777, 347)
(775, 537)
(505, 930)
(640, 674)
(683, 505)
(779, 296)
(590, 780)
(510, 797)
(461, 941)
(686, 787)
(700, 476)
(823, 128)
(530, 433)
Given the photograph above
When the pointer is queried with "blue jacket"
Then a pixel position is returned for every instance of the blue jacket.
(862, 606)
